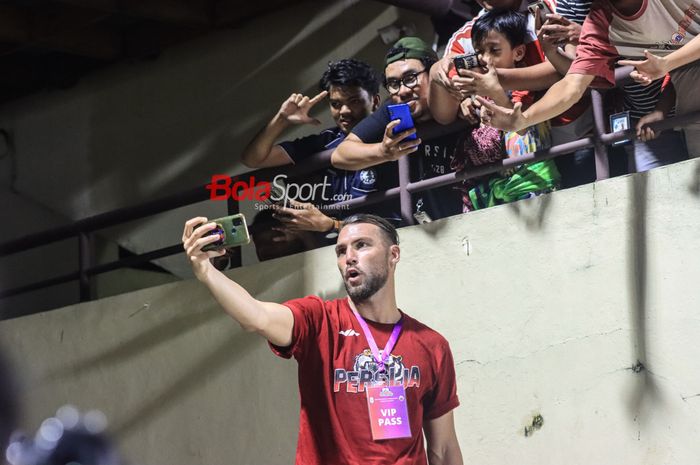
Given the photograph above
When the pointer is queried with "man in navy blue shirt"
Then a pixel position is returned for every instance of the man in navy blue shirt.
(372, 143)
(352, 88)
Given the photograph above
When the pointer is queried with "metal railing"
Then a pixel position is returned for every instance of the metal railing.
(85, 228)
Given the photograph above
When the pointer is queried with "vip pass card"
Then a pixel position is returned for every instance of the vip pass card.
(388, 413)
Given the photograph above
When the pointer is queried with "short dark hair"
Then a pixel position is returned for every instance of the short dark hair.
(512, 24)
(427, 61)
(388, 230)
(350, 72)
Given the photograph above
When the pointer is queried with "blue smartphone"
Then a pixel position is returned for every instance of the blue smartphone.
(402, 112)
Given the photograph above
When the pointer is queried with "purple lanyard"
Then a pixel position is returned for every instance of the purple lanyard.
(372, 343)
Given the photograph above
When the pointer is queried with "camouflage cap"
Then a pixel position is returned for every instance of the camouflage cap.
(409, 47)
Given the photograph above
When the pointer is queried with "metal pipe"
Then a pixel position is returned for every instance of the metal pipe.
(85, 260)
(405, 196)
(602, 164)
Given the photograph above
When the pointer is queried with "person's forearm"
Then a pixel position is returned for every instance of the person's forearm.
(667, 100)
(448, 456)
(537, 77)
(501, 98)
(687, 54)
(559, 98)
(443, 101)
(443, 105)
(258, 150)
(356, 155)
(252, 314)
(559, 61)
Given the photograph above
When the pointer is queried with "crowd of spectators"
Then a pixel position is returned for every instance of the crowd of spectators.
(529, 91)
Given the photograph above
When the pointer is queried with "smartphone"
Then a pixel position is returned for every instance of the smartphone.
(544, 10)
(467, 61)
(233, 229)
(620, 122)
(402, 112)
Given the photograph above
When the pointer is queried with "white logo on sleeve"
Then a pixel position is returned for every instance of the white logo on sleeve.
(349, 332)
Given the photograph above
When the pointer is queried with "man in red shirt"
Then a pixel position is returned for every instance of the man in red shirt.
(646, 29)
(372, 380)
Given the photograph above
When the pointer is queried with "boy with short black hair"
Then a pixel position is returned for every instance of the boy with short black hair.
(499, 40)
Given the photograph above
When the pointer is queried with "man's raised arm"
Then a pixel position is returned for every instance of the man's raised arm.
(354, 154)
(272, 321)
(536, 77)
(444, 98)
(261, 152)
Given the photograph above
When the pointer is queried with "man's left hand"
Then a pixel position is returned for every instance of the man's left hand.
(300, 216)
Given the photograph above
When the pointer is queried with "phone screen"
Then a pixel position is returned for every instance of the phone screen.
(402, 112)
(620, 122)
(467, 61)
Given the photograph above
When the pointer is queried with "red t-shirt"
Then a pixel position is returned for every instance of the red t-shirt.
(335, 364)
(595, 55)
(660, 26)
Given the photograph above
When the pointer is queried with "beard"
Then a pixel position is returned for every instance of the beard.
(370, 285)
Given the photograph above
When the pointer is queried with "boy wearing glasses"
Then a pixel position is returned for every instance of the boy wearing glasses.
(373, 142)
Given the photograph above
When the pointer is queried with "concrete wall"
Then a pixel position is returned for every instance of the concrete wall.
(548, 305)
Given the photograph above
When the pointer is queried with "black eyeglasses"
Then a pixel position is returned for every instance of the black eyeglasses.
(409, 80)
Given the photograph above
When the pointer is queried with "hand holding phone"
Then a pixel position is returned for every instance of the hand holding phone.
(402, 112)
(467, 61)
(539, 10)
(233, 231)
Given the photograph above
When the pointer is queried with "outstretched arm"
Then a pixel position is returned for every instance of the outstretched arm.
(272, 321)
(354, 154)
(655, 67)
(443, 447)
(262, 152)
(536, 77)
(559, 98)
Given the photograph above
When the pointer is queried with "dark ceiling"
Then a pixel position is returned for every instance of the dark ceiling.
(50, 44)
